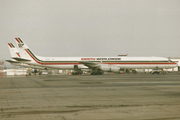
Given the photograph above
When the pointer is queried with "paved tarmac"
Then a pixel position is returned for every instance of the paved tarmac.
(86, 97)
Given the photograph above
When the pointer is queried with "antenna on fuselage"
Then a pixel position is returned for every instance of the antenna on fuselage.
(121, 55)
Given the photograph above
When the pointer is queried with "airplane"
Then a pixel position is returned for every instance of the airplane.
(97, 65)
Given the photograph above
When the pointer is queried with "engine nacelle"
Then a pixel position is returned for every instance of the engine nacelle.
(115, 68)
(109, 68)
(105, 68)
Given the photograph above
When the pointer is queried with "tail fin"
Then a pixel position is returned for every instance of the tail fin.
(20, 43)
(13, 50)
(25, 52)
(22, 47)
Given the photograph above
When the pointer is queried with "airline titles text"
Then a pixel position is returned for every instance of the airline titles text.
(100, 59)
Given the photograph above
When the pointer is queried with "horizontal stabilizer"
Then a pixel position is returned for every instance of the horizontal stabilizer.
(22, 59)
(12, 61)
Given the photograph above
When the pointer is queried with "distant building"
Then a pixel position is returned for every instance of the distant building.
(1, 68)
(15, 72)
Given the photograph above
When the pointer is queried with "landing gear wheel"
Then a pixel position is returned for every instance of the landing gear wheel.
(164, 72)
(93, 73)
(74, 73)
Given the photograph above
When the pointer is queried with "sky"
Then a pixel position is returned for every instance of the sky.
(70, 28)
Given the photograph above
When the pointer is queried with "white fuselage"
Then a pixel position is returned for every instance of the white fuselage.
(120, 62)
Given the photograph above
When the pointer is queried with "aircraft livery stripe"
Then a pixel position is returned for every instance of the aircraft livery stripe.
(132, 61)
(46, 63)
(18, 54)
(43, 62)
(32, 56)
(95, 61)
(76, 62)
(20, 40)
(17, 40)
(9, 45)
(12, 45)
(141, 63)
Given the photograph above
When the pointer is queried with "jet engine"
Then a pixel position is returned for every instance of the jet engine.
(115, 68)
(109, 68)
(105, 68)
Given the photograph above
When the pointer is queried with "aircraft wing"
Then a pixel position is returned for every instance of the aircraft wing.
(90, 64)
(22, 59)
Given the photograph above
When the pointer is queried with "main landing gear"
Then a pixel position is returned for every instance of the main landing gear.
(77, 72)
(96, 72)
(134, 71)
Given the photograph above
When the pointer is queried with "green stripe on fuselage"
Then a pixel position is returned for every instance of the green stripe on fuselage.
(95, 61)
(34, 56)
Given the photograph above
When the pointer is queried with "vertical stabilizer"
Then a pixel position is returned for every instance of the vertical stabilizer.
(22, 47)
(13, 51)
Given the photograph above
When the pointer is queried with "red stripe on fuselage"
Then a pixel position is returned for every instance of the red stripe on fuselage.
(48, 63)
(101, 63)
(140, 63)
(32, 56)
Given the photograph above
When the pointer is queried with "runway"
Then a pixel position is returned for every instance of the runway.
(86, 97)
